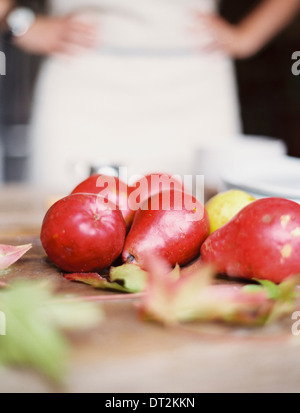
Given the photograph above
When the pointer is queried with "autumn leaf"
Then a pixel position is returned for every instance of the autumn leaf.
(197, 297)
(127, 278)
(130, 276)
(9, 254)
(175, 295)
(35, 323)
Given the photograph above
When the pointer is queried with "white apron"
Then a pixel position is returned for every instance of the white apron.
(144, 98)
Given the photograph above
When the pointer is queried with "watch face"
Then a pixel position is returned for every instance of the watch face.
(20, 20)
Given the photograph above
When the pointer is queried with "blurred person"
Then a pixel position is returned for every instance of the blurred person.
(140, 83)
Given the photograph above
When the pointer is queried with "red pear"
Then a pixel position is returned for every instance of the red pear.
(262, 241)
(171, 225)
(83, 233)
(111, 188)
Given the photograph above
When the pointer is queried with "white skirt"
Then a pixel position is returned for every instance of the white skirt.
(143, 112)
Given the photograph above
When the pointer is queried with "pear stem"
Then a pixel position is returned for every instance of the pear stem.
(130, 259)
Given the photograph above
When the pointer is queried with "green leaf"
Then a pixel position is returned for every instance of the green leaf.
(252, 288)
(285, 301)
(127, 278)
(130, 276)
(272, 289)
(175, 273)
(34, 322)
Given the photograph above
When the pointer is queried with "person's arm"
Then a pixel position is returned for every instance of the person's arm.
(249, 36)
(5, 7)
(49, 34)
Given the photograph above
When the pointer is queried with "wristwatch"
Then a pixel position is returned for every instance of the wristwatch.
(19, 21)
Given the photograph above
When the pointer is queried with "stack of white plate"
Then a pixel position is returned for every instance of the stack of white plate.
(275, 177)
(221, 155)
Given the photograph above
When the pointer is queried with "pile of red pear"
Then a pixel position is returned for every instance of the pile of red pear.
(104, 221)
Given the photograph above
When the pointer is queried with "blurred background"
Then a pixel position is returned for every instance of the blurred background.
(268, 93)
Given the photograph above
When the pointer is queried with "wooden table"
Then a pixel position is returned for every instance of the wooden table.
(125, 354)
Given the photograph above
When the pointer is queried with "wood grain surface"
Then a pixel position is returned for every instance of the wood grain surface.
(125, 354)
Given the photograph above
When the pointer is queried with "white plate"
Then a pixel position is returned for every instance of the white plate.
(224, 153)
(279, 177)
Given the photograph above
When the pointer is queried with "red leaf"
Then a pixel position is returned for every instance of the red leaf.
(91, 278)
(197, 296)
(9, 254)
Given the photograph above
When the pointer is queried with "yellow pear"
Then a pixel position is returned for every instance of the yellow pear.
(225, 205)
